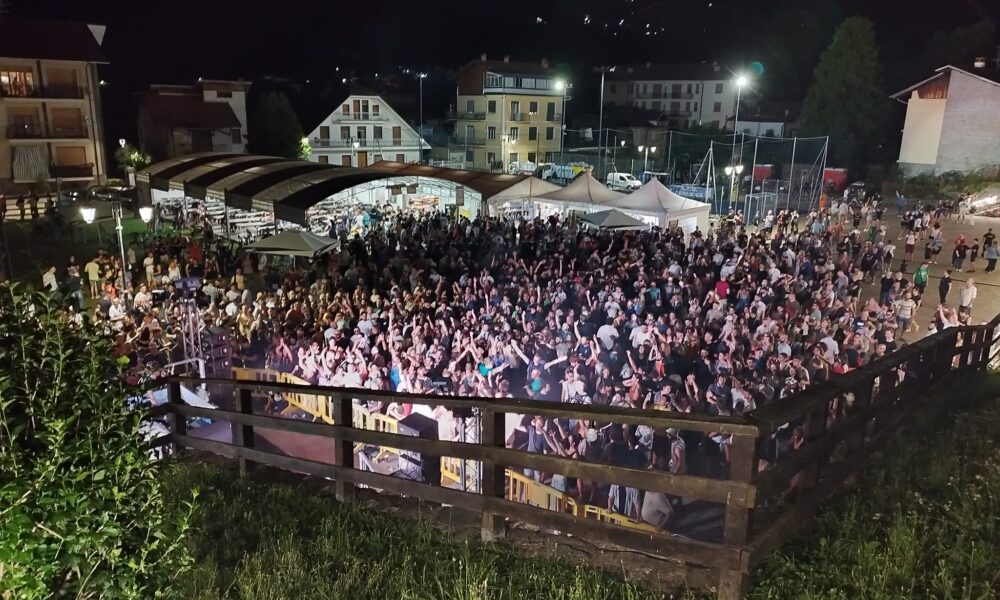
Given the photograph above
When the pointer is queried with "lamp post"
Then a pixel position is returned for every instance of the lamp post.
(420, 133)
(600, 119)
(89, 214)
(561, 87)
(646, 150)
(741, 81)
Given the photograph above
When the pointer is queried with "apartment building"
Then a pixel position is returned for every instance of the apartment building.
(363, 130)
(684, 94)
(50, 105)
(209, 116)
(508, 112)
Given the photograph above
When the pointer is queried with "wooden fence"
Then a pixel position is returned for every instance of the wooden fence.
(842, 420)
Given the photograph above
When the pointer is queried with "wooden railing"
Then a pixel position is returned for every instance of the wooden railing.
(843, 421)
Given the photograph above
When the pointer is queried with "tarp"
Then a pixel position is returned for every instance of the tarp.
(293, 242)
(613, 219)
(582, 190)
(656, 198)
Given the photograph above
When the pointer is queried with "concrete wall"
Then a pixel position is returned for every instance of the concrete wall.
(970, 138)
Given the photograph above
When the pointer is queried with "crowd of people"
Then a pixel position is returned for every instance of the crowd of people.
(716, 322)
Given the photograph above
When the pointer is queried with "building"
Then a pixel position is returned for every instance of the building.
(50, 102)
(209, 116)
(685, 94)
(952, 121)
(507, 112)
(770, 119)
(364, 130)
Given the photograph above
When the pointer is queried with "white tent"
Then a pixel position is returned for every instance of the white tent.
(584, 190)
(292, 242)
(656, 198)
(613, 219)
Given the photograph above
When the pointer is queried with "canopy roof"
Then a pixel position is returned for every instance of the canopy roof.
(289, 188)
(293, 243)
(583, 190)
(613, 219)
(656, 197)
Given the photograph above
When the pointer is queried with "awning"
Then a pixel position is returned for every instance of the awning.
(613, 219)
(293, 243)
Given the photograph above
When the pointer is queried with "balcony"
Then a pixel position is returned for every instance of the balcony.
(364, 143)
(72, 171)
(31, 130)
(468, 141)
(363, 116)
(466, 116)
(54, 91)
(664, 96)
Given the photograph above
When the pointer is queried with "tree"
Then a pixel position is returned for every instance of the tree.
(847, 100)
(82, 512)
(130, 156)
(275, 129)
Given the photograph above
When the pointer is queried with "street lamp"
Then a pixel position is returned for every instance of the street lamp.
(733, 172)
(646, 150)
(146, 213)
(600, 117)
(89, 214)
(420, 136)
(741, 80)
(561, 86)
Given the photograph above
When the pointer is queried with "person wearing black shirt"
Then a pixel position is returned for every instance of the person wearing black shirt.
(944, 286)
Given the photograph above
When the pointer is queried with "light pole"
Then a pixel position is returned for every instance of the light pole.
(646, 150)
(561, 87)
(600, 118)
(89, 214)
(741, 81)
(614, 158)
(420, 134)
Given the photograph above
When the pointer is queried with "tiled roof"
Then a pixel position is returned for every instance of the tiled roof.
(189, 111)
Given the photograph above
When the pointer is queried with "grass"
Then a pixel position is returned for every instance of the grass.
(925, 523)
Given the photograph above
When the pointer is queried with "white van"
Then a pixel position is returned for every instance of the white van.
(623, 182)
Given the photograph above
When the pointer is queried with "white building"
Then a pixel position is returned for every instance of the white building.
(363, 130)
(952, 122)
(686, 94)
(210, 116)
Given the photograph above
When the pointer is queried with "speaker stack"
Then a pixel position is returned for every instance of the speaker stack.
(420, 466)
(217, 352)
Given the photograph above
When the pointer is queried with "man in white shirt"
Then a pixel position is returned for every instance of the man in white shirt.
(968, 295)
(49, 280)
(607, 334)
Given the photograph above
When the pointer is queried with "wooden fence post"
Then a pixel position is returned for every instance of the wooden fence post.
(493, 526)
(343, 449)
(856, 439)
(178, 422)
(243, 434)
(735, 579)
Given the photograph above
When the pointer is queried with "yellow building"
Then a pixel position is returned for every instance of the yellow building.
(507, 113)
(50, 105)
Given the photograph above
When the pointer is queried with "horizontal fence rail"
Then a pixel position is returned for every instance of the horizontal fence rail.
(837, 425)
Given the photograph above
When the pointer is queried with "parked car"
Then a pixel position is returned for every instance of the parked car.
(623, 182)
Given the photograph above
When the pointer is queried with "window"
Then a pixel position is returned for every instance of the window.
(491, 157)
(345, 133)
(695, 107)
(675, 90)
(470, 132)
(689, 88)
(533, 107)
(375, 109)
(345, 160)
(17, 83)
(377, 132)
(345, 109)
(697, 88)
(237, 135)
(513, 157)
(400, 158)
(376, 158)
(645, 89)
(323, 159)
(532, 134)
(470, 106)
(223, 94)
(513, 134)
(397, 135)
(70, 156)
(515, 108)
(491, 133)
(531, 157)
(687, 106)
(656, 105)
(550, 111)
(769, 133)
(675, 107)
(613, 88)
(362, 133)
(491, 107)
(550, 133)
(470, 156)
(657, 90)
(718, 88)
(717, 107)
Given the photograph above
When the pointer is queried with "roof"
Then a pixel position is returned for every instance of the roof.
(48, 39)
(654, 196)
(183, 110)
(613, 219)
(584, 190)
(991, 76)
(470, 77)
(290, 187)
(291, 242)
(694, 71)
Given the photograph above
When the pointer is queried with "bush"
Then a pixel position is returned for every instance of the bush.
(82, 513)
(946, 185)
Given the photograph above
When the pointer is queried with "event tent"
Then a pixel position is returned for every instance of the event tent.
(584, 190)
(613, 219)
(292, 242)
(656, 198)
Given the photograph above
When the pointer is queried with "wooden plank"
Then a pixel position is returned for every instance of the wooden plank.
(608, 414)
(243, 432)
(493, 527)
(343, 449)
(703, 488)
(178, 424)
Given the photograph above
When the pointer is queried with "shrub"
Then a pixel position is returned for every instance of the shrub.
(82, 513)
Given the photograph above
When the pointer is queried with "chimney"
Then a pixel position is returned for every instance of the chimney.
(482, 57)
(980, 62)
(545, 63)
(506, 58)
(716, 66)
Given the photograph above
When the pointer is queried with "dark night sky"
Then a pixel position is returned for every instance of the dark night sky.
(177, 41)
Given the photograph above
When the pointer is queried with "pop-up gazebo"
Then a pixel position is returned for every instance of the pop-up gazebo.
(654, 198)
(293, 242)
